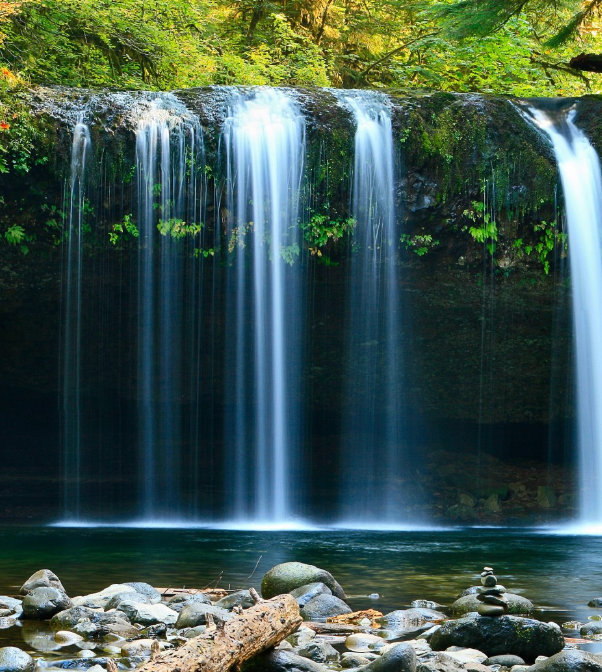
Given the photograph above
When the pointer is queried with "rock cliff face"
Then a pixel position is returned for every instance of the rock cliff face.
(485, 294)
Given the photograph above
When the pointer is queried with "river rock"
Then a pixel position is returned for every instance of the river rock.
(322, 607)
(319, 651)
(424, 604)
(400, 658)
(522, 637)
(196, 614)
(468, 603)
(66, 620)
(439, 662)
(472, 590)
(67, 638)
(350, 660)
(570, 660)
(596, 602)
(138, 648)
(303, 636)
(505, 661)
(463, 655)
(145, 589)
(362, 642)
(100, 599)
(43, 578)
(116, 600)
(241, 598)
(148, 614)
(9, 602)
(304, 594)
(43, 603)
(178, 602)
(418, 616)
(590, 629)
(194, 632)
(281, 661)
(15, 660)
(287, 576)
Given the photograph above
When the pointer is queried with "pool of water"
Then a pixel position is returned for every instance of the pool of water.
(560, 574)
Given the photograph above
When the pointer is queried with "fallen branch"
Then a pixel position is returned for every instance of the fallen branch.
(228, 645)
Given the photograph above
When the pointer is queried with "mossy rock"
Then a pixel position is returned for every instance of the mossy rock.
(468, 603)
(287, 576)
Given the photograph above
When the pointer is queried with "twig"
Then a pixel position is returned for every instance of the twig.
(255, 596)
(251, 574)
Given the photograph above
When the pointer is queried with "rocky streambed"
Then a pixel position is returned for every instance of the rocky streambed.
(488, 628)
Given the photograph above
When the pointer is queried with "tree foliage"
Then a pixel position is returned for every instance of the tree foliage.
(520, 47)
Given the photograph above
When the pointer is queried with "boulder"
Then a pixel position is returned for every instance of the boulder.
(400, 658)
(66, 620)
(100, 599)
(590, 629)
(118, 598)
(43, 603)
(15, 660)
(522, 637)
(596, 602)
(178, 602)
(323, 606)
(350, 660)
(281, 661)
(571, 660)
(43, 578)
(363, 642)
(241, 598)
(304, 594)
(145, 589)
(302, 636)
(439, 662)
(287, 576)
(9, 602)
(148, 614)
(468, 603)
(319, 651)
(196, 614)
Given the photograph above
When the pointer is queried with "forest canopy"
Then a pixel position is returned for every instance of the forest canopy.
(520, 47)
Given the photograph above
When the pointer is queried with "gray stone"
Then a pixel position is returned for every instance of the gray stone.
(505, 661)
(194, 632)
(66, 620)
(464, 655)
(489, 581)
(196, 614)
(15, 660)
(439, 662)
(145, 589)
(241, 598)
(319, 651)
(118, 598)
(148, 614)
(304, 594)
(491, 610)
(281, 661)
(425, 604)
(302, 636)
(141, 648)
(468, 603)
(350, 660)
(290, 575)
(362, 642)
(400, 658)
(596, 602)
(322, 607)
(522, 637)
(418, 616)
(178, 602)
(67, 638)
(9, 602)
(43, 578)
(571, 660)
(42, 603)
(99, 600)
(591, 629)
(477, 589)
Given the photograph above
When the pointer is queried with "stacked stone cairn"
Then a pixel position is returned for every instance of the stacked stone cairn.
(491, 596)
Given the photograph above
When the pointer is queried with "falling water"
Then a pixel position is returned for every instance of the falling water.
(264, 136)
(72, 322)
(166, 136)
(582, 186)
(372, 425)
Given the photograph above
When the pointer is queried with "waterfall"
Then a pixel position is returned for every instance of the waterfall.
(264, 138)
(81, 147)
(581, 179)
(372, 421)
(167, 141)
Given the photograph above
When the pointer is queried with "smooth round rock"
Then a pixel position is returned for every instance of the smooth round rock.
(319, 651)
(241, 598)
(43, 578)
(591, 629)
(178, 602)
(304, 594)
(506, 661)
(489, 581)
(148, 614)
(145, 589)
(350, 660)
(66, 638)
(43, 603)
(524, 637)
(86, 653)
(196, 614)
(276, 660)
(138, 648)
(322, 607)
(363, 642)
(400, 658)
(15, 660)
(516, 604)
(118, 598)
(596, 602)
(571, 660)
(290, 575)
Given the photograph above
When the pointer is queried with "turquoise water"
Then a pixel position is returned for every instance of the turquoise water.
(560, 574)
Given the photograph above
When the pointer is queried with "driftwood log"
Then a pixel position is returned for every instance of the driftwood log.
(227, 645)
